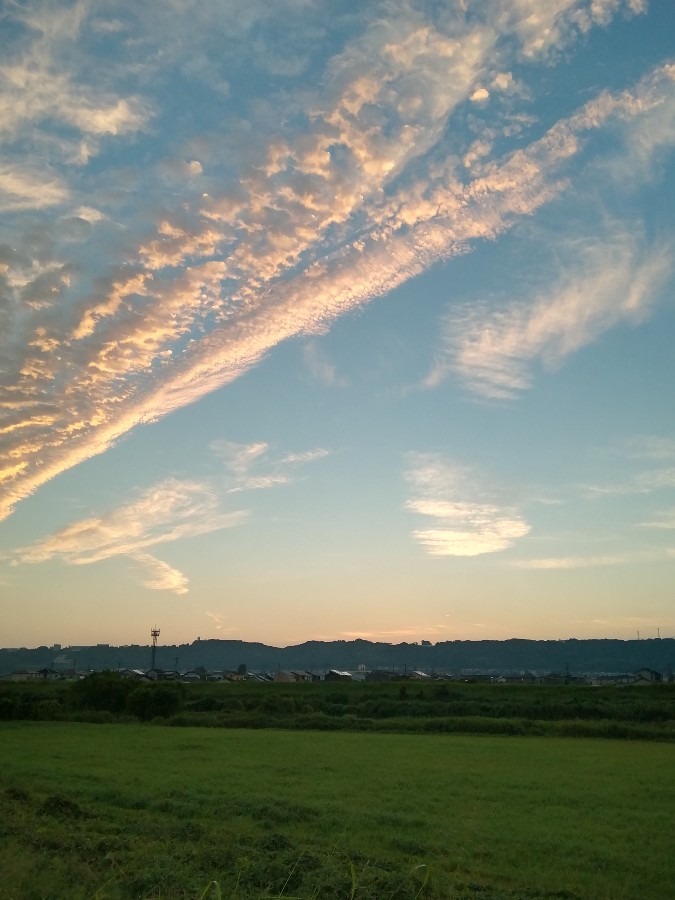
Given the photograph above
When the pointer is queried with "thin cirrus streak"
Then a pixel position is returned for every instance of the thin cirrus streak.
(664, 520)
(297, 242)
(588, 562)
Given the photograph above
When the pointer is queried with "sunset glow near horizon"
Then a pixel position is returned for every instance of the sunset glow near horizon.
(334, 325)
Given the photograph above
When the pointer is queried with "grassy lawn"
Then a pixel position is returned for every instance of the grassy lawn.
(120, 811)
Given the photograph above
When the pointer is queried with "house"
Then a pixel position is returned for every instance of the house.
(136, 674)
(24, 675)
(647, 676)
(337, 675)
(302, 676)
(48, 674)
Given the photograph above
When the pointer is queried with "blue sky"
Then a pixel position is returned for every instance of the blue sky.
(336, 324)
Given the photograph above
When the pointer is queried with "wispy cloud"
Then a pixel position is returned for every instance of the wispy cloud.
(306, 456)
(544, 28)
(159, 576)
(320, 367)
(646, 482)
(412, 631)
(600, 285)
(466, 524)
(170, 510)
(653, 447)
(166, 512)
(592, 562)
(664, 520)
(220, 622)
(253, 466)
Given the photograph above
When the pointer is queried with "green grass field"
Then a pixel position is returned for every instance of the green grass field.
(121, 811)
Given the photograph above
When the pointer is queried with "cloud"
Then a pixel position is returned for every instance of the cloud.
(22, 188)
(166, 512)
(306, 456)
(641, 451)
(603, 284)
(467, 525)
(544, 28)
(588, 562)
(239, 458)
(220, 621)
(159, 576)
(39, 90)
(480, 95)
(650, 447)
(319, 367)
(299, 215)
(641, 483)
(251, 466)
(413, 631)
(664, 520)
(170, 510)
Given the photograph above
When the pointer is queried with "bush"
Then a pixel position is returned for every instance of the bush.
(102, 690)
(150, 701)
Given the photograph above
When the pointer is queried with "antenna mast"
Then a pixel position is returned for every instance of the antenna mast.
(154, 633)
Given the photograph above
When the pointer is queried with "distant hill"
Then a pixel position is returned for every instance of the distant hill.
(515, 655)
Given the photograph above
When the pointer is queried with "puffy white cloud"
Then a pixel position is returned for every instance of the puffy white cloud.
(480, 95)
(465, 523)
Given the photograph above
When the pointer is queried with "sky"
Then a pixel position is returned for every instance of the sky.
(336, 321)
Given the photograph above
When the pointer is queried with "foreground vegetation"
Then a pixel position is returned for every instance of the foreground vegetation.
(126, 811)
(644, 713)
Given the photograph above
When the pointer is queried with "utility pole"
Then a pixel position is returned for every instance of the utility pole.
(154, 634)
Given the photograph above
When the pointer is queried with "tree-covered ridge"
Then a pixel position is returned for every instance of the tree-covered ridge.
(515, 655)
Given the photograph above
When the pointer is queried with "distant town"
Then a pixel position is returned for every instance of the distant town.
(594, 661)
